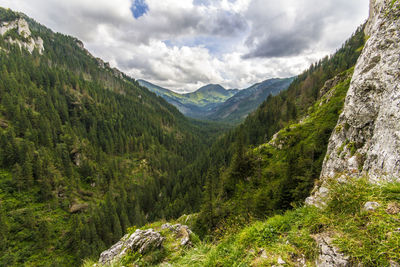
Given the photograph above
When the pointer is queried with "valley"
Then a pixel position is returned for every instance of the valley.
(214, 103)
(100, 169)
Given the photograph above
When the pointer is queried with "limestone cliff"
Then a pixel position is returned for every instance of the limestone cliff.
(366, 140)
(25, 39)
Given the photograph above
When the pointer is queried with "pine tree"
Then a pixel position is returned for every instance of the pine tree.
(3, 230)
(18, 177)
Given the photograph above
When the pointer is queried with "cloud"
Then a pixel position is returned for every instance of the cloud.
(295, 26)
(184, 44)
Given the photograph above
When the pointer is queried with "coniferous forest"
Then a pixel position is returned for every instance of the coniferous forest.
(86, 153)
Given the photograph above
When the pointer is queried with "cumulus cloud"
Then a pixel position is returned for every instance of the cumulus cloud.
(185, 44)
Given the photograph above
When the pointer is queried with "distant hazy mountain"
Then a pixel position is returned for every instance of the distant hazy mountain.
(214, 102)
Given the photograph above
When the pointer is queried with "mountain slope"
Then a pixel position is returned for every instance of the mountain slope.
(358, 221)
(85, 151)
(211, 93)
(213, 102)
(238, 184)
(195, 104)
(247, 100)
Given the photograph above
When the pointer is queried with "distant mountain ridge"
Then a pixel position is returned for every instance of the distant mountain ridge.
(194, 104)
(245, 101)
(214, 102)
(211, 93)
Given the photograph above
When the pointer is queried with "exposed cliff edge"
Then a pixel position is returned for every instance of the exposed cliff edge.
(366, 141)
(23, 37)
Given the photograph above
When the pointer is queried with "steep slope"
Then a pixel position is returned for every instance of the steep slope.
(295, 238)
(367, 137)
(283, 176)
(85, 151)
(247, 100)
(196, 104)
(213, 102)
(358, 225)
(275, 175)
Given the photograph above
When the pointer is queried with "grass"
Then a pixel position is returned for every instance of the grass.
(369, 238)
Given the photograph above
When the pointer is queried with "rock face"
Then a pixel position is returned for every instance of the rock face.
(141, 241)
(27, 41)
(367, 137)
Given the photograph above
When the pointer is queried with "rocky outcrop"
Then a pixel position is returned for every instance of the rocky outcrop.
(26, 41)
(141, 240)
(329, 255)
(103, 65)
(78, 207)
(366, 141)
(180, 231)
(177, 236)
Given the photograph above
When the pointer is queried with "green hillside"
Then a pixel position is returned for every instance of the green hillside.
(85, 152)
(196, 104)
(88, 155)
(292, 238)
(237, 107)
(215, 103)
(241, 184)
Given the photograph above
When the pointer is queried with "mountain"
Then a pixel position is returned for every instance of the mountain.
(213, 102)
(333, 137)
(247, 100)
(96, 170)
(85, 152)
(293, 127)
(195, 104)
(213, 93)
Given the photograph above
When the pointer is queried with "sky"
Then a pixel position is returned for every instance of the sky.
(185, 44)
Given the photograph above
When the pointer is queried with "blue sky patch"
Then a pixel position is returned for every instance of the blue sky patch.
(139, 8)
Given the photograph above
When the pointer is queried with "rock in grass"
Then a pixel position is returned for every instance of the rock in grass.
(393, 263)
(181, 231)
(393, 208)
(141, 240)
(263, 254)
(371, 206)
(280, 261)
(329, 255)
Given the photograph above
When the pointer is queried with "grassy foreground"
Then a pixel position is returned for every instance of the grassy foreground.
(368, 237)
